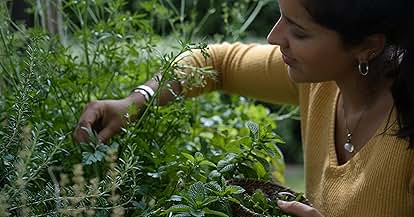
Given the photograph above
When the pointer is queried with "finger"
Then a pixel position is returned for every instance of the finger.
(87, 119)
(80, 134)
(108, 132)
(298, 209)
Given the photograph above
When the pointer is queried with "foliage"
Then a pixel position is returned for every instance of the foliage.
(224, 19)
(174, 160)
(262, 203)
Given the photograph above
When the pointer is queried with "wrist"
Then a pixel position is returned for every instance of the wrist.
(145, 91)
(135, 99)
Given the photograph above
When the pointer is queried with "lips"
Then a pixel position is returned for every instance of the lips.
(288, 60)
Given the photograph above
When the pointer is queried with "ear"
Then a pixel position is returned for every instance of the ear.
(371, 47)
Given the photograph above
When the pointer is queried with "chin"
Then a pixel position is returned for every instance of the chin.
(296, 76)
(299, 76)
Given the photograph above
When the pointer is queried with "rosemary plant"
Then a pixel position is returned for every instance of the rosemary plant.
(173, 161)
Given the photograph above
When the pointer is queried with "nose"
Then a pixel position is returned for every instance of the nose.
(277, 34)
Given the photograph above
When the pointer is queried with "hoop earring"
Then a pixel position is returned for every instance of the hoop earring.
(363, 68)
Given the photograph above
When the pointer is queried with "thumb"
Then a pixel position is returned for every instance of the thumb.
(298, 209)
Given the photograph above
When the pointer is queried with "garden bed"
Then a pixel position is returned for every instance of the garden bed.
(173, 161)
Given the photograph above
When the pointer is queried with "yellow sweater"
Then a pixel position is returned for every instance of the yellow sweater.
(377, 182)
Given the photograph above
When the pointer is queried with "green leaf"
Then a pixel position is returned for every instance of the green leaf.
(175, 198)
(188, 156)
(213, 212)
(234, 189)
(197, 191)
(258, 196)
(218, 140)
(228, 159)
(186, 215)
(213, 186)
(102, 148)
(207, 135)
(234, 200)
(154, 175)
(261, 154)
(227, 168)
(234, 147)
(88, 158)
(207, 163)
(244, 131)
(199, 156)
(99, 155)
(197, 213)
(273, 150)
(254, 129)
(214, 174)
(260, 169)
(246, 141)
(177, 208)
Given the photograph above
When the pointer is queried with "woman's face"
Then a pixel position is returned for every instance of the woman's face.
(313, 52)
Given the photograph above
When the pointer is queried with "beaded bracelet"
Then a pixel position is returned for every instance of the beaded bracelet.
(146, 91)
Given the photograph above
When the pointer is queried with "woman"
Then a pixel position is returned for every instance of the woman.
(351, 63)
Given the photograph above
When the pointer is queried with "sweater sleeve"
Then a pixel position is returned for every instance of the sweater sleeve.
(252, 70)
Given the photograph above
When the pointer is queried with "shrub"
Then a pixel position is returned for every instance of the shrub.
(160, 163)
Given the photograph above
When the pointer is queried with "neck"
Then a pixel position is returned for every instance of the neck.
(361, 93)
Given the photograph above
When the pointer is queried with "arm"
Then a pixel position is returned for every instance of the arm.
(256, 71)
(107, 117)
(252, 70)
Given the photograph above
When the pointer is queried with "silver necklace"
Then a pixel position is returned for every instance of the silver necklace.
(349, 146)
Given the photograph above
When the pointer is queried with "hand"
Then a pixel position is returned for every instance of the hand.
(105, 117)
(298, 209)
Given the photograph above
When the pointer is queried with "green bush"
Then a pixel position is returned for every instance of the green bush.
(158, 163)
(224, 19)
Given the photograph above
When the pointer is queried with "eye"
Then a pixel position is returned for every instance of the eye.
(295, 31)
(298, 33)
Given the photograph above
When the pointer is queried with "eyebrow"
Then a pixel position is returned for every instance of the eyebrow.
(294, 23)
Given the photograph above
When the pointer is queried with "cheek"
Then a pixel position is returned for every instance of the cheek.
(318, 63)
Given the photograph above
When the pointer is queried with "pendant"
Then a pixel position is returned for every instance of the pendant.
(349, 147)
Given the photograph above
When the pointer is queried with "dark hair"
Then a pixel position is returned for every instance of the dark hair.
(354, 20)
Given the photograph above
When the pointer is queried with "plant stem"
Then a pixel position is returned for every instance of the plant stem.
(252, 16)
(9, 55)
(86, 50)
(161, 85)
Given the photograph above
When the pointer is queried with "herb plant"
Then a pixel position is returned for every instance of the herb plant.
(173, 161)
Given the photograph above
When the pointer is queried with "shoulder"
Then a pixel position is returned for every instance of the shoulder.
(309, 92)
